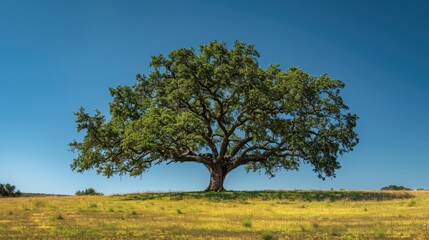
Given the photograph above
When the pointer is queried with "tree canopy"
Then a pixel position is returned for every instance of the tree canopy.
(8, 190)
(218, 107)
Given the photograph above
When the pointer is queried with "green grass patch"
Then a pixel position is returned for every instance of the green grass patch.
(267, 235)
(39, 204)
(246, 223)
(274, 195)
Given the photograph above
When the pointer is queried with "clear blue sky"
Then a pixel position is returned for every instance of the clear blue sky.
(56, 56)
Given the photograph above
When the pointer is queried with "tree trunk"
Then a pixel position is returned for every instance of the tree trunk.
(217, 177)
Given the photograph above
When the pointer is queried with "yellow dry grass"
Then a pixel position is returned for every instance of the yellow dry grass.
(115, 217)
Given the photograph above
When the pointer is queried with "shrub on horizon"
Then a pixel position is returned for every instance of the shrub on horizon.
(88, 191)
(395, 188)
(8, 190)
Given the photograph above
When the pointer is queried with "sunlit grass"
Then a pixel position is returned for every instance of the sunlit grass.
(236, 215)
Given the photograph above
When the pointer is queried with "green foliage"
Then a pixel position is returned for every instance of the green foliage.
(267, 235)
(395, 188)
(246, 223)
(88, 191)
(8, 190)
(218, 107)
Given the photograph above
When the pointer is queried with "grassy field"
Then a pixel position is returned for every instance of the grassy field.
(230, 215)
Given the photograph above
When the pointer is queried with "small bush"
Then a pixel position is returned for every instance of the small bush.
(395, 188)
(381, 233)
(246, 223)
(8, 190)
(88, 191)
(267, 236)
(179, 211)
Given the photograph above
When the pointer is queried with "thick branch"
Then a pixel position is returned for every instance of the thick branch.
(239, 146)
(185, 157)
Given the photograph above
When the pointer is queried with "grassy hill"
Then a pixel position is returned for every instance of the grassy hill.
(228, 215)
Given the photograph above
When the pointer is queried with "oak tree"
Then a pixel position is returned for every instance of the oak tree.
(218, 107)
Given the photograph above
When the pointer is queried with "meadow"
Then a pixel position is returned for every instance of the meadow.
(228, 215)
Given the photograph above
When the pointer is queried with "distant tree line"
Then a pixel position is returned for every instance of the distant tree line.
(8, 190)
(395, 188)
(88, 191)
